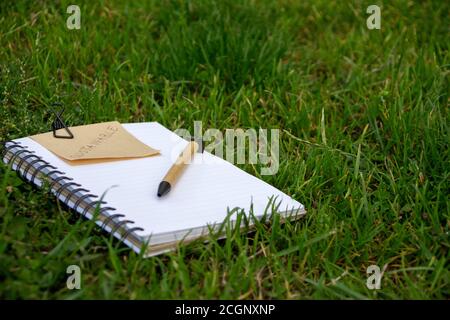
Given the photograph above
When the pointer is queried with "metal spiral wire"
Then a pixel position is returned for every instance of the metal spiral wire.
(28, 160)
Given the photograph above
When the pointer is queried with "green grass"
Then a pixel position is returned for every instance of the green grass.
(364, 141)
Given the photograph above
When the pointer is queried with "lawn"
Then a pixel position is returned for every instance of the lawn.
(364, 123)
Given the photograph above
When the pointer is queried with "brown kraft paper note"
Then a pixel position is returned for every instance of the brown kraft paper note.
(94, 142)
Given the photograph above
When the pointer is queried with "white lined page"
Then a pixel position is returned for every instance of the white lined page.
(200, 197)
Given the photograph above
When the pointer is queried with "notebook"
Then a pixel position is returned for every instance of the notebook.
(121, 195)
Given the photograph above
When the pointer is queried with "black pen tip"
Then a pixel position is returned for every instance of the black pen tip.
(164, 188)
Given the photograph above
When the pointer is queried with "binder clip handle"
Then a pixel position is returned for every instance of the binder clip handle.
(58, 123)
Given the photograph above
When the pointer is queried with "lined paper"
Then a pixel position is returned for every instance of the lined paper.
(207, 188)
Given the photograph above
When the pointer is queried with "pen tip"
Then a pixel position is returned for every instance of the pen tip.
(164, 188)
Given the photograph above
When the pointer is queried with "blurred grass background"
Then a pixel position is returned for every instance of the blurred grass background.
(364, 144)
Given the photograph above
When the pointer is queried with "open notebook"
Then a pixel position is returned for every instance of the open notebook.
(122, 193)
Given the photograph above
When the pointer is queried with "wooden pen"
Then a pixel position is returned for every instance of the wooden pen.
(177, 168)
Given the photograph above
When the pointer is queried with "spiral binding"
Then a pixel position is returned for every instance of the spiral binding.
(27, 160)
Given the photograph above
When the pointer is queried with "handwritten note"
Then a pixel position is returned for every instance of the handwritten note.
(108, 140)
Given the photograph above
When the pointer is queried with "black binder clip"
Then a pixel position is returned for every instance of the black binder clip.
(58, 123)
